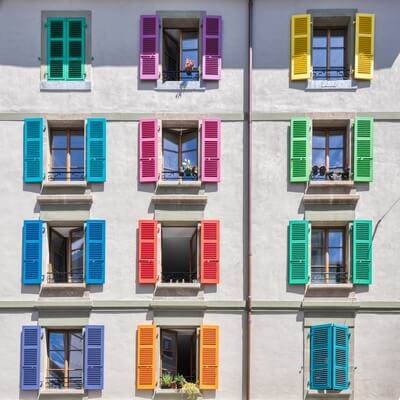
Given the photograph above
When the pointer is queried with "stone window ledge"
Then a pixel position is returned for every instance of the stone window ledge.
(65, 86)
(176, 86)
(161, 394)
(65, 199)
(175, 285)
(330, 184)
(63, 184)
(329, 286)
(331, 198)
(348, 84)
(62, 393)
(178, 184)
(180, 199)
(328, 394)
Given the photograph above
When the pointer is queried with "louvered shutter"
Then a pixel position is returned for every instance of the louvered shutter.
(95, 238)
(148, 154)
(363, 149)
(362, 252)
(56, 49)
(96, 150)
(30, 357)
(149, 46)
(300, 142)
(301, 47)
(212, 47)
(340, 354)
(298, 252)
(209, 356)
(75, 48)
(147, 251)
(210, 150)
(364, 52)
(146, 357)
(32, 253)
(94, 357)
(33, 150)
(210, 251)
(321, 357)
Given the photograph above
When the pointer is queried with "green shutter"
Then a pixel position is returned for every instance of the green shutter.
(298, 252)
(362, 252)
(76, 48)
(56, 51)
(363, 149)
(300, 164)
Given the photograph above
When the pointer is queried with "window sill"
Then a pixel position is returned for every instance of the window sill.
(177, 285)
(64, 86)
(160, 393)
(179, 184)
(331, 198)
(186, 86)
(328, 394)
(321, 184)
(329, 286)
(62, 392)
(64, 184)
(177, 289)
(63, 290)
(65, 199)
(195, 199)
(348, 84)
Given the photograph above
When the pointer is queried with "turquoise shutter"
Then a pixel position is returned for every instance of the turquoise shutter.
(96, 150)
(95, 246)
(362, 252)
(321, 357)
(32, 253)
(340, 379)
(363, 149)
(30, 357)
(56, 49)
(300, 141)
(33, 150)
(298, 252)
(75, 48)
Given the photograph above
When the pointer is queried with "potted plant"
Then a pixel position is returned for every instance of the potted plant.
(191, 390)
(166, 381)
(180, 381)
(189, 64)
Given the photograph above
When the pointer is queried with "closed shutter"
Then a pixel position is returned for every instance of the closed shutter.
(148, 152)
(212, 47)
(362, 252)
(149, 46)
(33, 150)
(209, 252)
(209, 356)
(30, 357)
(298, 252)
(363, 149)
(321, 357)
(147, 251)
(96, 150)
(211, 150)
(56, 49)
(146, 357)
(94, 357)
(32, 253)
(95, 238)
(301, 47)
(340, 355)
(364, 53)
(300, 141)
(76, 48)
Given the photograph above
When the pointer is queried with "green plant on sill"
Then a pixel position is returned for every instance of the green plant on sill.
(191, 390)
(166, 381)
(179, 380)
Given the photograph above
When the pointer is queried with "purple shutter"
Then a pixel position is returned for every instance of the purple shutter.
(94, 357)
(30, 357)
(148, 154)
(210, 150)
(149, 45)
(212, 47)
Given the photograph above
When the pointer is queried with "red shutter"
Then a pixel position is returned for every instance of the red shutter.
(212, 47)
(149, 45)
(148, 163)
(209, 256)
(210, 149)
(147, 251)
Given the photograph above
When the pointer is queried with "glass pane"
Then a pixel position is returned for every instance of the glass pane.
(336, 140)
(56, 378)
(192, 54)
(337, 58)
(56, 341)
(59, 140)
(77, 164)
(171, 141)
(336, 256)
(319, 58)
(59, 163)
(190, 40)
(58, 259)
(56, 359)
(318, 157)
(320, 39)
(75, 360)
(77, 256)
(76, 340)
(336, 159)
(318, 141)
(317, 252)
(171, 156)
(335, 238)
(337, 38)
(77, 140)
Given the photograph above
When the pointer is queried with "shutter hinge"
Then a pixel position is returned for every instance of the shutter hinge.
(45, 25)
(86, 26)
(84, 75)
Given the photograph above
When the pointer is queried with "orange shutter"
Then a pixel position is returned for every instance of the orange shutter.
(147, 251)
(209, 253)
(146, 357)
(209, 349)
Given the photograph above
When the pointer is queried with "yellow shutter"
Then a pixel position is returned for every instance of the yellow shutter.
(301, 47)
(146, 357)
(364, 54)
(209, 350)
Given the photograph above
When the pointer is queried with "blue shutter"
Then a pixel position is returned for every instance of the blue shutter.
(94, 357)
(32, 253)
(33, 150)
(321, 357)
(30, 357)
(95, 238)
(340, 357)
(96, 150)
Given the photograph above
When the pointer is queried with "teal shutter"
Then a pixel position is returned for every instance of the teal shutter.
(95, 246)
(33, 150)
(321, 357)
(56, 49)
(300, 141)
(96, 150)
(362, 252)
(363, 149)
(76, 48)
(32, 253)
(340, 379)
(298, 252)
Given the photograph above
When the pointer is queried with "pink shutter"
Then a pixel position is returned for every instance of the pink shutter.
(149, 45)
(148, 168)
(212, 47)
(210, 150)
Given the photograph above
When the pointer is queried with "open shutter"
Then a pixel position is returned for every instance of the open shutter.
(148, 154)
(30, 357)
(56, 49)
(364, 54)
(210, 150)
(147, 251)
(146, 357)
(340, 379)
(321, 357)
(95, 238)
(363, 149)
(209, 253)
(209, 356)
(149, 46)
(298, 252)
(212, 47)
(96, 150)
(75, 48)
(33, 150)
(32, 253)
(362, 252)
(301, 47)
(94, 357)
(300, 141)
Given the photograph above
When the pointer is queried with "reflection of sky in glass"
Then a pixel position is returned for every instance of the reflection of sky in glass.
(189, 148)
(171, 157)
(317, 253)
(335, 247)
(190, 46)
